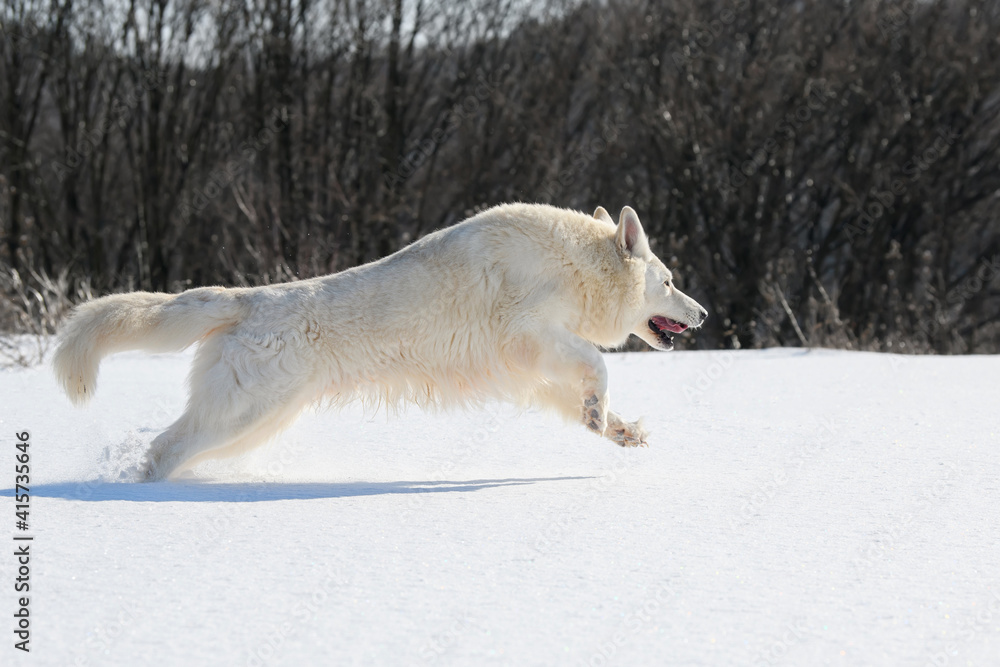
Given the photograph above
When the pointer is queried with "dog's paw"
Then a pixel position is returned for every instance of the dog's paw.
(148, 470)
(145, 472)
(628, 434)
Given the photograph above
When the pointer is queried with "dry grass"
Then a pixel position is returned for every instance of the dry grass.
(30, 311)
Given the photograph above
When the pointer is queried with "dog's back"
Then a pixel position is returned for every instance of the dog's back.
(457, 316)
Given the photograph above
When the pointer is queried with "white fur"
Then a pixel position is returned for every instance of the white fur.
(508, 304)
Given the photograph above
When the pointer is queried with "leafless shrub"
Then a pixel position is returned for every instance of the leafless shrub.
(820, 174)
(30, 313)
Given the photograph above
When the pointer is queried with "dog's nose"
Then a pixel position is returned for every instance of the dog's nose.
(704, 316)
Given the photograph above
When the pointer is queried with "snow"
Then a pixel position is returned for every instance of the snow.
(794, 507)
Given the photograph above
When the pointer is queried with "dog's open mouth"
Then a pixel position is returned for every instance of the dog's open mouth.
(662, 325)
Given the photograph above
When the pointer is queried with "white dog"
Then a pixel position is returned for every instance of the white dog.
(508, 304)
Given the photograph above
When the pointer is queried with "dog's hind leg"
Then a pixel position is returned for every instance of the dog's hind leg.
(239, 398)
(183, 445)
(163, 445)
(262, 430)
(578, 388)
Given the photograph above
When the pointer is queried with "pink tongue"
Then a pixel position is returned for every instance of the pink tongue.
(669, 325)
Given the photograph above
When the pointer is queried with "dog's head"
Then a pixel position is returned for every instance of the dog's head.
(662, 309)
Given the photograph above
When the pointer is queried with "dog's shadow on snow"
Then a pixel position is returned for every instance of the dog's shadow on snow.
(195, 492)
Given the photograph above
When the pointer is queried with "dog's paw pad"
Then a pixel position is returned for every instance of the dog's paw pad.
(592, 417)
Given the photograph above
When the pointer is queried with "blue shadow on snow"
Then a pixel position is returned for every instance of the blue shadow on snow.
(193, 492)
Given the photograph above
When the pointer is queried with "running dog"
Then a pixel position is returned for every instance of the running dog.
(510, 304)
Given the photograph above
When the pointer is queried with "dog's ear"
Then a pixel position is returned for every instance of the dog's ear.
(602, 215)
(630, 236)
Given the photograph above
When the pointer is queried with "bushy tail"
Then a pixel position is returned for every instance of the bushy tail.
(137, 321)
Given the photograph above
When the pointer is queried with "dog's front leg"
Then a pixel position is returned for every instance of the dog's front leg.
(579, 389)
(576, 379)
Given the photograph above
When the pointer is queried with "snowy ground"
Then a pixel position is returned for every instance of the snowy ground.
(800, 508)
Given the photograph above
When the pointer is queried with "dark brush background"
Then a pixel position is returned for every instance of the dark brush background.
(816, 173)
